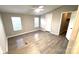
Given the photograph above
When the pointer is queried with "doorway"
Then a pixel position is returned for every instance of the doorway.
(65, 22)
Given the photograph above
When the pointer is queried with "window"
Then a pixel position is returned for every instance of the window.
(16, 22)
(43, 22)
(36, 22)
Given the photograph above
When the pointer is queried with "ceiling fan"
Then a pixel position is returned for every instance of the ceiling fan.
(38, 9)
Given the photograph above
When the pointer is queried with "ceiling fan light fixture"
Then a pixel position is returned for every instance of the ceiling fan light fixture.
(41, 7)
(38, 10)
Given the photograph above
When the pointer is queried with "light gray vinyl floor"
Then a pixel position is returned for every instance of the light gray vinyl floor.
(39, 42)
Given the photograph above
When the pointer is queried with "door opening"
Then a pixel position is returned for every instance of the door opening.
(65, 22)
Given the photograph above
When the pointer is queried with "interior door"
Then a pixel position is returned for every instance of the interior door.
(71, 24)
(76, 45)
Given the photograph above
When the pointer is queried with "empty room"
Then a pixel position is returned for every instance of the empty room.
(39, 29)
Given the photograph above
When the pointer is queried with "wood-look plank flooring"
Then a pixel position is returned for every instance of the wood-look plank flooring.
(39, 42)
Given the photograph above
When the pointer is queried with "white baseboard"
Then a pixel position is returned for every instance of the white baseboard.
(54, 33)
(22, 33)
(42, 29)
(29, 32)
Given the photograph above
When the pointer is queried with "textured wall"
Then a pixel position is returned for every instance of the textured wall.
(26, 20)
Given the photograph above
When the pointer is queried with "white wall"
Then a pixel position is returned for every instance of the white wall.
(27, 24)
(46, 22)
(3, 39)
(56, 17)
(42, 22)
(48, 18)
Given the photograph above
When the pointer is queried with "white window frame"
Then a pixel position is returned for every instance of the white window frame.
(15, 21)
(36, 22)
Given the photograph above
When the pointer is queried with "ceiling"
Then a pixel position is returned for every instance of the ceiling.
(26, 9)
